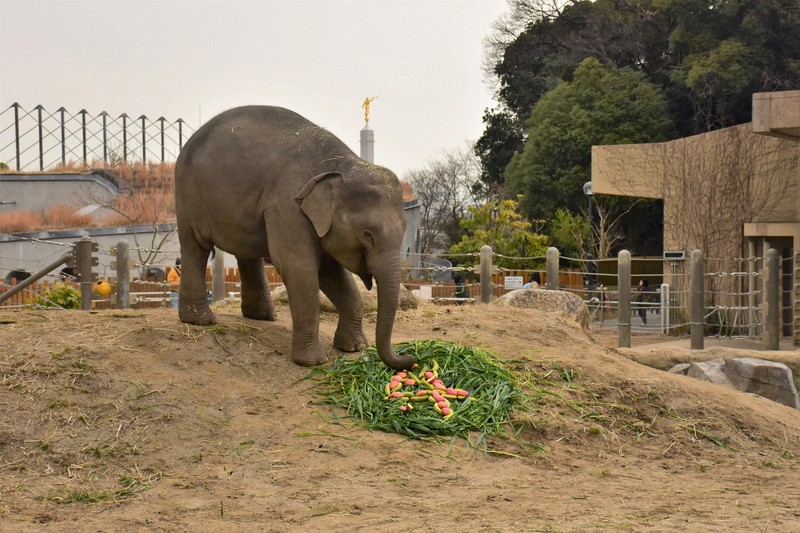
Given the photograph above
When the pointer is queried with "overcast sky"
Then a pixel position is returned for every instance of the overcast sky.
(188, 59)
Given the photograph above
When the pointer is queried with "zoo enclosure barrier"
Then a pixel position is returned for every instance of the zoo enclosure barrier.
(39, 139)
(732, 300)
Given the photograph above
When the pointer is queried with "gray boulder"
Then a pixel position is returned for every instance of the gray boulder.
(712, 371)
(768, 379)
(680, 369)
(548, 301)
(765, 378)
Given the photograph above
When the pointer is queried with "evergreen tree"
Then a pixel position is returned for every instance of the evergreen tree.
(602, 105)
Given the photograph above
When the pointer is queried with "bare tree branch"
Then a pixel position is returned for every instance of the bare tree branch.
(445, 187)
(149, 200)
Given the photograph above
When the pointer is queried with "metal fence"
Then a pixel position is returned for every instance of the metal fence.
(733, 293)
(38, 139)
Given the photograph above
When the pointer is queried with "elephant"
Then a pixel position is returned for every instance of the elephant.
(263, 182)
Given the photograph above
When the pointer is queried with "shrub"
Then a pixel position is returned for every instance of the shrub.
(60, 295)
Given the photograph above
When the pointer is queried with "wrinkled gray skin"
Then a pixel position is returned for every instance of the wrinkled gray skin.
(262, 182)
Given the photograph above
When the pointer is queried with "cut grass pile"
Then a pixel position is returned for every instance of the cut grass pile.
(358, 385)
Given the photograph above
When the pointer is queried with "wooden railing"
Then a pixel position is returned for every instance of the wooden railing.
(152, 294)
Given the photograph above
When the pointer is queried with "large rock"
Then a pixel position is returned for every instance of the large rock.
(765, 378)
(748, 374)
(562, 302)
(712, 371)
(405, 299)
(680, 369)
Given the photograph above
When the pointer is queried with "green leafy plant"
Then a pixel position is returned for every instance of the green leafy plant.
(358, 385)
(60, 295)
(499, 224)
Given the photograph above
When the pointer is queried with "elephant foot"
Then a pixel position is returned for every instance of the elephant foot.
(198, 314)
(349, 341)
(310, 357)
(259, 313)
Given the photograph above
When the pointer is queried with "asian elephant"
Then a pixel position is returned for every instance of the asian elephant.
(262, 181)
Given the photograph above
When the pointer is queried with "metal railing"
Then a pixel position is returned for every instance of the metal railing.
(39, 139)
(732, 300)
(740, 297)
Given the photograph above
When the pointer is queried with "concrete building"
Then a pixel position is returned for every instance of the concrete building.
(36, 192)
(732, 193)
(29, 252)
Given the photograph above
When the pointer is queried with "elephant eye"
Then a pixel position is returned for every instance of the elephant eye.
(369, 237)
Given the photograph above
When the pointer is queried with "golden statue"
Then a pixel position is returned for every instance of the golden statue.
(365, 107)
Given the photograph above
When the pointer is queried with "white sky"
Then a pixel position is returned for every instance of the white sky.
(186, 59)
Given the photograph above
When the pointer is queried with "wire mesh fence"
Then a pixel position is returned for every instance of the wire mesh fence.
(37, 139)
(733, 291)
(733, 288)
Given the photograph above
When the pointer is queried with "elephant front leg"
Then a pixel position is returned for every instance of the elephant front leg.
(340, 287)
(256, 297)
(303, 292)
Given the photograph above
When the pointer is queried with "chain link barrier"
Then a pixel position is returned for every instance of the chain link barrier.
(733, 298)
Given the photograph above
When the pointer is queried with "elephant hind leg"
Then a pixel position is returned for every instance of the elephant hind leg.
(256, 297)
(193, 303)
(339, 286)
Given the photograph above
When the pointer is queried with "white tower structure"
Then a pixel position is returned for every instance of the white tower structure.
(367, 135)
(368, 144)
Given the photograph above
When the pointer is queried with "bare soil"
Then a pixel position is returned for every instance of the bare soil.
(132, 421)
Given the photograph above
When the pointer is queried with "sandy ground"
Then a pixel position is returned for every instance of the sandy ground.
(132, 421)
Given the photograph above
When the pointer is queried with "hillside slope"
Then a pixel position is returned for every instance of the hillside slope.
(133, 421)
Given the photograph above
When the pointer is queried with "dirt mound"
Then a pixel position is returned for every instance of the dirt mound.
(132, 421)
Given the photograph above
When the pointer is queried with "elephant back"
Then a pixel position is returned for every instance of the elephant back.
(279, 134)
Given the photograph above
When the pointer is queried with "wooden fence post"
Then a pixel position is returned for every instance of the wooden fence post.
(772, 315)
(624, 297)
(84, 261)
(486, 273)
(123, 275)
(698, 289)
(552, 269)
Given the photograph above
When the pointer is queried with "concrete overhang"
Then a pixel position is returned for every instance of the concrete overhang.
(96, 177)
(635, 170)
(777, 114)
(771, 229)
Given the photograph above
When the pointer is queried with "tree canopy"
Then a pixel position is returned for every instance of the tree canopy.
(602, 105)
(499, 224)
(582, 72)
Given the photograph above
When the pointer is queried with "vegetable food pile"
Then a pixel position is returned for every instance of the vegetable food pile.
(454, 390)
(430, 388)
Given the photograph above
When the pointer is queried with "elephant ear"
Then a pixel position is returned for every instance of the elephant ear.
(317, 200)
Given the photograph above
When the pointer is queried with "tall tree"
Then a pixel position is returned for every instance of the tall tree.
(711, 53)
(527, 59)
(722, 52)
(707, 57)
(502, 138)
(602, 105)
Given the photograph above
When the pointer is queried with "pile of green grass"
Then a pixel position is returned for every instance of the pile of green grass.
(358, 385)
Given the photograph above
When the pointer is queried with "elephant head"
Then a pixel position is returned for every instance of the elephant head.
(358, 216)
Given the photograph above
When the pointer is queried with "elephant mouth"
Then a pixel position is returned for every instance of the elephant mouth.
(367, 279)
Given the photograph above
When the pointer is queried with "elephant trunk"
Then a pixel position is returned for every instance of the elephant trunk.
(388, 278)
